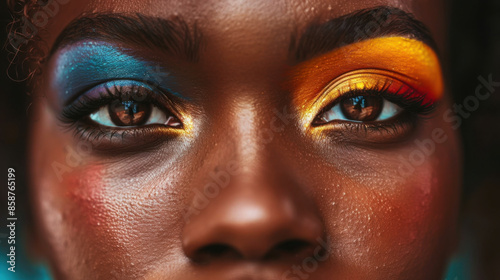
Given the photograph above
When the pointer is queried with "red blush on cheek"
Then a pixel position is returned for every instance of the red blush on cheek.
(86, 190)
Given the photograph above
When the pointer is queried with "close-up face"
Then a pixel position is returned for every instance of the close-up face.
(244, 140)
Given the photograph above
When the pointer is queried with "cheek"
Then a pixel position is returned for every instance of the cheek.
(397, 226)
(101, 215)
(385, 222)
(63, 189)
(124, 219)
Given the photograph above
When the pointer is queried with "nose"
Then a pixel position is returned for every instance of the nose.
(254, 220)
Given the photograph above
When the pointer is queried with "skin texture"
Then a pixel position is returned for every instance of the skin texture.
(276, 189)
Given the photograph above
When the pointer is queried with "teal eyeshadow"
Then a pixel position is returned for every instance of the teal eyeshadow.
(82, 66)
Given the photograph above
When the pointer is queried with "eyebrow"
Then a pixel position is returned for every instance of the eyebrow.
(361, 25)
(174, 36)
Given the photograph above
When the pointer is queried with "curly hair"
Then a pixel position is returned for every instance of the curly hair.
(24, 48)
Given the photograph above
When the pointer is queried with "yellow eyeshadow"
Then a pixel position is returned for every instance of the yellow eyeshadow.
(187, 122)
(400, 60)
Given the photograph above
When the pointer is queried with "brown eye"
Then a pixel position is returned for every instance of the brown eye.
(129, 113)
(121, 113)
(362, 108)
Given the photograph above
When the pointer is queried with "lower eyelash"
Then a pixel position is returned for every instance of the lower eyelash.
(116, 142)
(373, 132)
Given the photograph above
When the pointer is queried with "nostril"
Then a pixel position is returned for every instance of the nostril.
(215, 252)
(294, 247)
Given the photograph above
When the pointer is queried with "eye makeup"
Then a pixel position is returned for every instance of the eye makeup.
(125, 114)
(112, 98)
(121, 97)
(84, 65)
(402, 70)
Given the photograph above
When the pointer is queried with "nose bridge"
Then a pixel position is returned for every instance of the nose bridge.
(250, 131)
(246, 127)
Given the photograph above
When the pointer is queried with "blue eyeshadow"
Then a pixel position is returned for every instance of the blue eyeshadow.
(81, 66)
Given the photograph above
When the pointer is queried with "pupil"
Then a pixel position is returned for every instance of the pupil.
(362, 108)
(129, 113)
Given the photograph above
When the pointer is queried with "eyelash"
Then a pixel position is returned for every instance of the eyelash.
(76, 115)
(415, 109)
(406, 99)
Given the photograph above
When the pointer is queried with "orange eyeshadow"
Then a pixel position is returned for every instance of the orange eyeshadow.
(395, 61)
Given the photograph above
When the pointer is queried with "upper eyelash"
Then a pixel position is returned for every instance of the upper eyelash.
(84, 105)
(408, 99)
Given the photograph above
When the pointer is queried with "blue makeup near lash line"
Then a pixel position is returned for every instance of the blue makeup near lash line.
(89, 64)
(97, 91)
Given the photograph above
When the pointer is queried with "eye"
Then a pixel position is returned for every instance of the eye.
(360, 108)
(120, 106)
(132, 113)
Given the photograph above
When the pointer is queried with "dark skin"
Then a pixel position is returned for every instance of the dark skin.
(125, 211)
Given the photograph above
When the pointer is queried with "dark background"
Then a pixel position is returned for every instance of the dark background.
(474, 49)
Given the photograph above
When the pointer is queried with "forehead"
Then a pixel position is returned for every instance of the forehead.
(244, 21)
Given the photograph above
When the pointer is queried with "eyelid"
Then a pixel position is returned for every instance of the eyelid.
(362, 79)
(84, 64)
(112, 84)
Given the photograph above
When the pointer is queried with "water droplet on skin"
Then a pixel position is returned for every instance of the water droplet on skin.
(333, 203)
(329, 7)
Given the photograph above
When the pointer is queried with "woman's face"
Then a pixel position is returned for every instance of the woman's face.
(243, 140)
